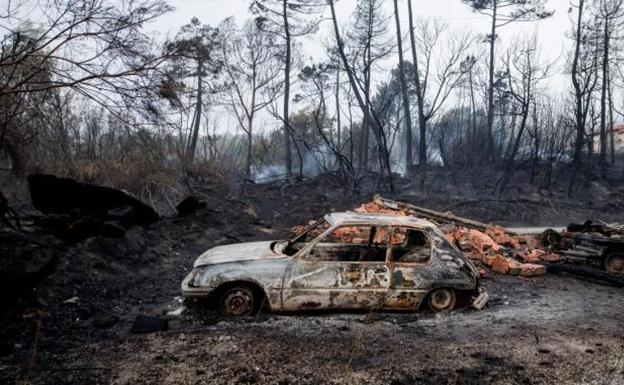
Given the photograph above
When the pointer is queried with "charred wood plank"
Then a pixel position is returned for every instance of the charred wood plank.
(574, 259)
(597, 239)
(430, 214)
(572, 253)
(588, 250)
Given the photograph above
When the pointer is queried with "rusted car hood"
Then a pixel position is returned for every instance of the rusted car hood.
(238, 252)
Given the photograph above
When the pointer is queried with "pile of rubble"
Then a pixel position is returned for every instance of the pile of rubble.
(491, 245)
(503, 253)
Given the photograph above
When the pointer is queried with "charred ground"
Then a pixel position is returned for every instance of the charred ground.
(74, 325)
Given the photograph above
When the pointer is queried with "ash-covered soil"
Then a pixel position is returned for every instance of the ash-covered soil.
(74, 327)
(540, 331)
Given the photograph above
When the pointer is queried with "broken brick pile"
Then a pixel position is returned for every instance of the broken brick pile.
(495, 247)
(502, 252)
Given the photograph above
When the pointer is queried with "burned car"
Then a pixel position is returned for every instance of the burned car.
(344, 261)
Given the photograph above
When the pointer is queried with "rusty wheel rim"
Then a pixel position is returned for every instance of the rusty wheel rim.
(238, 302)
(615, 264)
(442, 299)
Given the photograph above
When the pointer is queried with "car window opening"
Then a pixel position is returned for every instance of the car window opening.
(304, 236)
(352, 244)
(410, 246)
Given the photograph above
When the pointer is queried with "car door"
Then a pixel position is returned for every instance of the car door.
(344, 269)
(409, 260)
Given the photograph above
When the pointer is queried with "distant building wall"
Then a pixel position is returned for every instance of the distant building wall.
(618, 138)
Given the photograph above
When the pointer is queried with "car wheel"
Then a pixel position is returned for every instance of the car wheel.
(442, 300)
(237, 301)
(614, 263)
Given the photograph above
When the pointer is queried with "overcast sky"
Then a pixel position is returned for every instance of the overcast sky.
(552, 32)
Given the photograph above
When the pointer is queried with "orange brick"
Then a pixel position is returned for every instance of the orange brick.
(488, 259)
(500, 264)
(532, 269)
(482, 241)
(500, 236)
(514, 268)
(535, 255)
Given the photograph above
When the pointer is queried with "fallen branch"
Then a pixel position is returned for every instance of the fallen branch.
(430, 214)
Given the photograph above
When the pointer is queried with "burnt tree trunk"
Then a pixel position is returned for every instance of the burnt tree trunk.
(382, 146)
(198, 111)
(286, 117)
(603, 96)
(404, 96)
(490, 90)
(578, 98)
(422, 122)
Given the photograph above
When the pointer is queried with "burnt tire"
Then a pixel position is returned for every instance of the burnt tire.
(441, 300)
(238, 301)
(614, 263)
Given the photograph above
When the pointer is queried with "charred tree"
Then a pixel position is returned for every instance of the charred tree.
(502, 13)
(251, 66)
(407, 116)
(287, 19)
(366, 111)
(422, 123)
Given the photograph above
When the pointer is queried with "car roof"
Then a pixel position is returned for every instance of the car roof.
(351, 217)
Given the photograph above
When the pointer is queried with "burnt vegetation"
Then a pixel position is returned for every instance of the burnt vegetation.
(125, 153)
(89, 94)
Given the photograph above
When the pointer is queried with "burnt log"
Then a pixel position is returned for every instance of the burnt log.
(55, 195)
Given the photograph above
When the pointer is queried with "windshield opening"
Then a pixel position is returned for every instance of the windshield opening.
(304, 235)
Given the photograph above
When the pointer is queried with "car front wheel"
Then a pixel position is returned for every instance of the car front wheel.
(237, 301)
(442, 300)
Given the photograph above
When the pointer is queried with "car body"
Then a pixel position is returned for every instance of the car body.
(347, 260)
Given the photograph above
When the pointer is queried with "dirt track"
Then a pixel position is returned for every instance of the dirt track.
(540, 331)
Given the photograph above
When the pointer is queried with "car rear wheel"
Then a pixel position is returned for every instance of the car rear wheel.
(442, 300)
(238, 301)
(614, 263)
